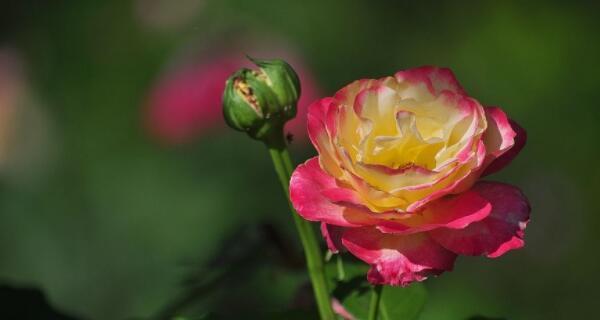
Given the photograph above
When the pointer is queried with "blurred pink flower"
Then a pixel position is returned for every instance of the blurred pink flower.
(186, 101)
(11, 91)
(26, 136)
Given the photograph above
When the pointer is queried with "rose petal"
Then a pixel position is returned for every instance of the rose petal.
(454, 212)
(310, 187)
(320, 130)
(458, 182)
(317, 112)
(347, 94)
(502, 160)
(339, 309)
(436, 79)
(397, 259)
(333, 236)
(501, 231)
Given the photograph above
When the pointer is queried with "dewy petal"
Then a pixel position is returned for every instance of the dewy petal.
(505, 158)
(501, 231)
(454, 212)
(333, 236)
(312, 191)
(397, 259)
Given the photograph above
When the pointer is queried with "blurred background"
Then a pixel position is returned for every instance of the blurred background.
(123, 195)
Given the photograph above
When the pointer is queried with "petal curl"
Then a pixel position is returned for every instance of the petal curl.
(317, 112)
(498, 163)
(503, 139)
(398, 259)
(499, 135)
(501, 231)
(454, 212)
(317, 197)
(320, 130)
(333, 236)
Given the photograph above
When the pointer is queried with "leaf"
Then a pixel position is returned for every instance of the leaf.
(291, 315)
(403, 303)
(354, 293)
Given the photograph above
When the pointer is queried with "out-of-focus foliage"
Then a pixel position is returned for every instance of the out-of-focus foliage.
(109, 223)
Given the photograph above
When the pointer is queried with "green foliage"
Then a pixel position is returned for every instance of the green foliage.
(354, 293)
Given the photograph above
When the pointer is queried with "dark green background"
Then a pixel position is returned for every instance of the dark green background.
(114, 222)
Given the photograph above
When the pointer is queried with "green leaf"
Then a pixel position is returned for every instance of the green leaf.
(403, 303)
(354, 293)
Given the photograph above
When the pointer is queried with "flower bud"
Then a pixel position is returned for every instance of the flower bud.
(258, 101)
(283, 80)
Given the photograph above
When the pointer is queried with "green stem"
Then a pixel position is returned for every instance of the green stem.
(375, 299)
(340, 268)
(312, 250)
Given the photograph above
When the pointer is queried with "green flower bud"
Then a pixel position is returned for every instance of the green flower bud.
(284, 81)
(260, 101)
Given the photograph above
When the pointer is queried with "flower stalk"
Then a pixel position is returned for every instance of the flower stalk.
(312, 251)
(259, 103)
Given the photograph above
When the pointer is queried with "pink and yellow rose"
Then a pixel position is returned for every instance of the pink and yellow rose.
(396, 179)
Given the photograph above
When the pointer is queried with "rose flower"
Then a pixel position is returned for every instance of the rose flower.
(396, 179)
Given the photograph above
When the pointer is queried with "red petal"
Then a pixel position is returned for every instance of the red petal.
(398, 259)
(501, 231)
(333, 236)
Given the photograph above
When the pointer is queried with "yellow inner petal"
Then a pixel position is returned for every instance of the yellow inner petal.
(397, 144)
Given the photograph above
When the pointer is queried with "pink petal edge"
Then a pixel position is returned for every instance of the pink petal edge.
(454, 212)
(398, 260)
(436, 79)
(502, 231)
(309, 186)
(502, 160)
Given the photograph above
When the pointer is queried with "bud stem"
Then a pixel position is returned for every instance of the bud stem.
(314, 256)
